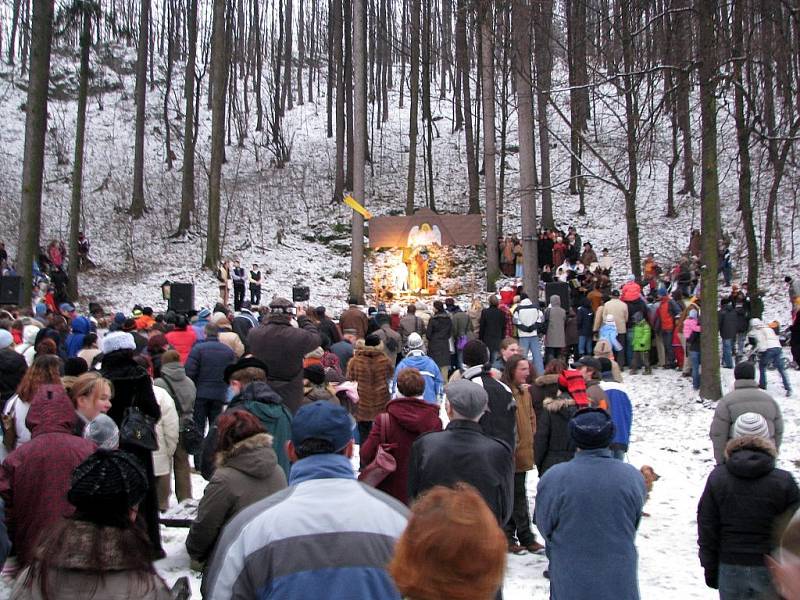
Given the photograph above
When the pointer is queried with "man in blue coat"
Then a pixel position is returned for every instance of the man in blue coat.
(588, 510)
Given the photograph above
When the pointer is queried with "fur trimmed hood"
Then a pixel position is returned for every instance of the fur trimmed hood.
(554, 405)
(246, 446)
(750, 457)
(543, 380)
(751, 442)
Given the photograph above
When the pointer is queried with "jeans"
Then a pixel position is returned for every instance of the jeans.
(533, 344)
(694, 357)
(727, 354)
(205, 409)
(669, 356)
(773, 356)
(741, 582)
(585, 345)
(519, 525)
(741, 338)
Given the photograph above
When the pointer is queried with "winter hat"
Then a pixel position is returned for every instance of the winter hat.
(66, 307)
(204, 313)
(751, 423)
(118, 340)
(693, 314)
(119, 318)
(246, 362)
(590, 362)
(630, 277)
(75, 366)
(466, 398)
(744, 370)
(372, 340)
(218, 317)
(475, 353)
(317, 352)
(610, 319)
(107, 485)
(322, 420)
(414, 341)
(103, 432)
(315, 374)
(591, 428)
(6, 339)
(137, 312)
(170, 356)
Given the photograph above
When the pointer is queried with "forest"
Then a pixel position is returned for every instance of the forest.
(696, 90)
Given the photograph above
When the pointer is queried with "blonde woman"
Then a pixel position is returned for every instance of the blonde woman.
(91, 395)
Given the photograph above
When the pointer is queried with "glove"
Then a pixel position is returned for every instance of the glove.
(712, 579)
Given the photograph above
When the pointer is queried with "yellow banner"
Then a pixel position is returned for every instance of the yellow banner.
(351, 202)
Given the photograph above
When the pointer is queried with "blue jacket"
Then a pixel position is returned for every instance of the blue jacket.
(206, 367)
(609, 332)
(621, 410)
(430, 372)
(327, 535)
(588, 510)
(80, 327)
(199, 327)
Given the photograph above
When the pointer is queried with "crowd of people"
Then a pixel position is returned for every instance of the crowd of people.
(106, 416)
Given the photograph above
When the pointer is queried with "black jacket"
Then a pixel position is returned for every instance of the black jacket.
(462, 452)
(500, 418)
(742, 506)
(438, 333)
(552, 443)
(728, 323)
(492, 327)
(12, 370)
(329, 328)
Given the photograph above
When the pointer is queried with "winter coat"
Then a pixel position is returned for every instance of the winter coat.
(544, 386)
(355, 319)
(552, 443)
(242, 323)
(630, 292)
(463, 452)
(410, 324)
(492, 327)
(167, 432)
(744, 503)
(525, 317)
(588, 511)
(556, 321)
(728, 322)
(329, 329)
(430, 373)
(179, 386)
(526, 428)
(408, 418)
(621, 411)
(392, 344)
(642, 337)
(371, 370)
(259, 399)
(764, 336)
(245, 474)
(199, 327)
(462, 326)
(232, 341)
(616, 308)
(12, 370)
(596, 395)
(282, 348)
(745, 397)
(35, 478)
(609, 333)
(206, 367)
(73, 573)
(500, 418)
(27, 348)
(585, 321)
(182, 340)
(439, 332)
(80, 327)
(691, 326)
(344, 352)
(571, 329)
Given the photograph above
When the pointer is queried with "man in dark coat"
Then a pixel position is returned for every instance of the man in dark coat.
(327, 326)
(439, 331)
(239, 277)
(588, 510)
(463, 452)
(244, 321)
(282, 348)
(492, 327)
(354, 318)
(12, 366)
(35, 478)
(206, 367)
(728, 328)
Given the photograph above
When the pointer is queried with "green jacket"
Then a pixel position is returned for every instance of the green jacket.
(642, 337)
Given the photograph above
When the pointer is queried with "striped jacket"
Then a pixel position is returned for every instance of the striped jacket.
(327, 535)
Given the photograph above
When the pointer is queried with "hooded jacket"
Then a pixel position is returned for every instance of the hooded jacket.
(621, 411)
(245, 474)
(259, 399)
(408, 418)
(728, 322)
(430, 373)
(182, 340)
(556, 322)
(80, 327)
(27, 348)
(179, 386)
(742, 506)
(526, 315)
(35, 478)
(439, 331)
(552, 443)
(616, 308)
(764, 336)
(167, 432)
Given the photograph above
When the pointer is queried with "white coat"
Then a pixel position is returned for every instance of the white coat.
(167, 432)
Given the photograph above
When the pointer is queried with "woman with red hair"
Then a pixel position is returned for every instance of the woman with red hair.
(449, 532)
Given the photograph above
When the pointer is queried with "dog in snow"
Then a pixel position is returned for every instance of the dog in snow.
(650, 477)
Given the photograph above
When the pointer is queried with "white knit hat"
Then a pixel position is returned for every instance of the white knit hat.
(118, 340)
(414, 341)
(751, 423)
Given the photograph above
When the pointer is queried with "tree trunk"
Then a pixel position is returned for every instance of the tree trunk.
(77, 171)
(413, 117)
(348, 91)
(13, 34)
(632, 131)
(521, 17)
(360, 145)
(301, 51)
(708, 72)
(187, 176)
(170, 7)
(489, 149)
(543, 55)
(137, 203)
(338, 192)
(286, 97)
(219, 75)
(463, 69)
(30, 213)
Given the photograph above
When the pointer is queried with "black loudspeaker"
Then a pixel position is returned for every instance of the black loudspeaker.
(11, 290)
(300, 293)
(181, 297)
(560, 289)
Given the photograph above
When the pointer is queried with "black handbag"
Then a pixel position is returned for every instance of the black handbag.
(138, 429)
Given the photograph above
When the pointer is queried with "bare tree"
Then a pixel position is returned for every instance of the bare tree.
(360, 145)
(489, 146)
(138, 205)
(187, 177)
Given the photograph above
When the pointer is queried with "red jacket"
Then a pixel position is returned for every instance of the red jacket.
(35, 478)
(409, 418)
(182, 340)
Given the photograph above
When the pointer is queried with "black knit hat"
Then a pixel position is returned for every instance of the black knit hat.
(475, 353)
(591, 428)
(315, 374)
(372, 340)
(106, 485)
(75, 366)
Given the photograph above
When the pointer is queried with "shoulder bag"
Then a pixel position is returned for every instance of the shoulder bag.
(384, 463)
